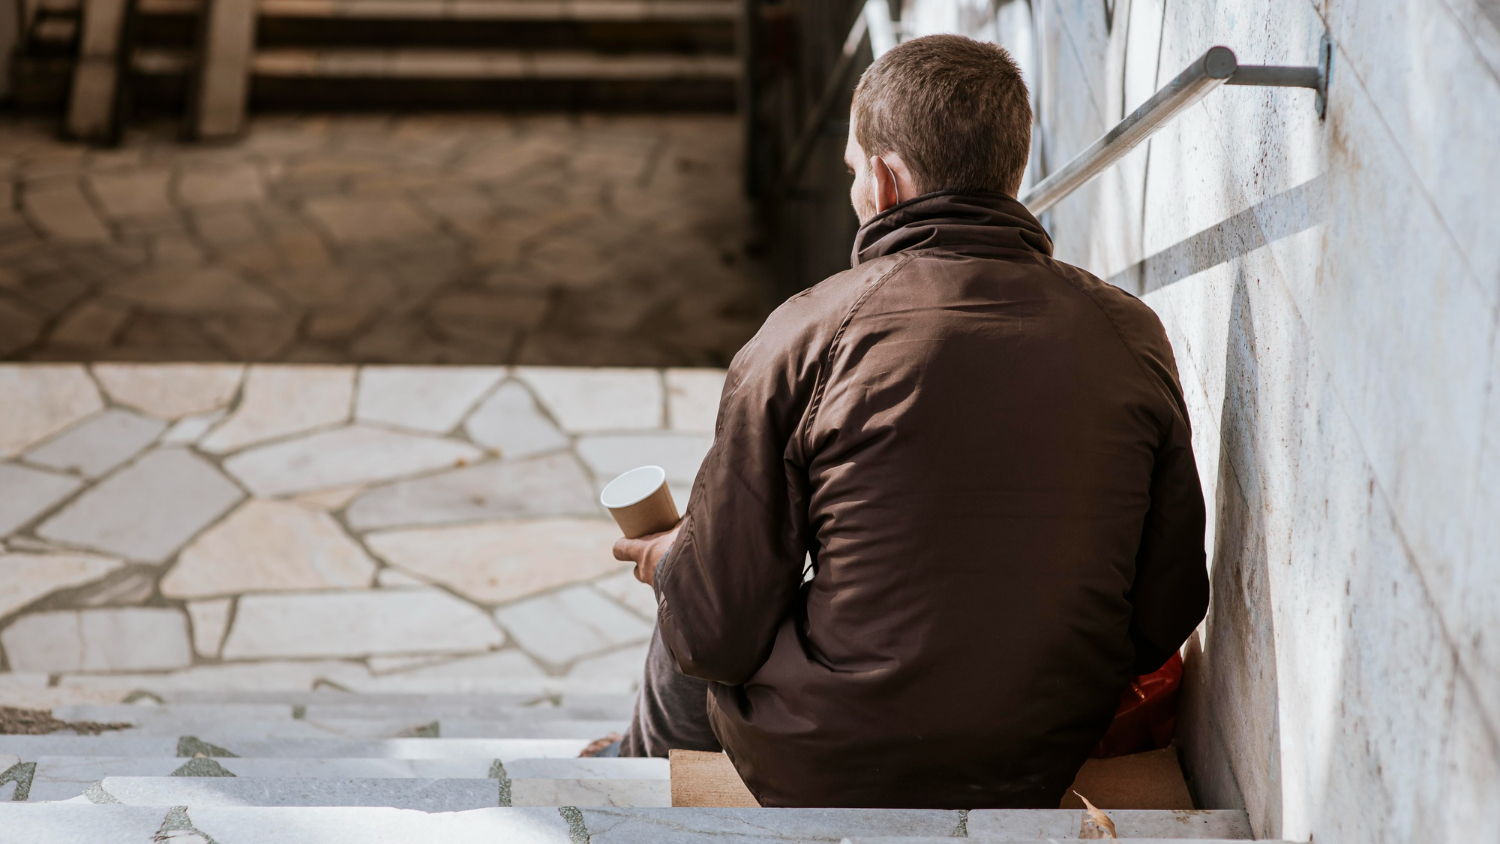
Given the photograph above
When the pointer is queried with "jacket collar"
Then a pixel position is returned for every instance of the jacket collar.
(951, 220)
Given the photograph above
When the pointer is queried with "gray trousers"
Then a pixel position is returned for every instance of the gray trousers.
(671, 709)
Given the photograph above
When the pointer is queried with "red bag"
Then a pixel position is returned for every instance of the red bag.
(1147, 716)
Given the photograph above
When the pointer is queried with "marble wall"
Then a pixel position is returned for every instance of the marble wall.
(1331, 289)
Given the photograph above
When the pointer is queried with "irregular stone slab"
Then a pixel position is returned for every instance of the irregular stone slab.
(594, 793)
(511, 662)
(430, 399)
(190, 429)
(86, 824)
(262, 676)
(192, 290)
(616, 708)
(283, 400)
(330, 500)
(210, 621)
(366, 220)
(1129, 823)
(623, 587)
(25, 493)
(510, 421)
(41, 400)
(226, 732)
(148, 510)
(554, 485)
(391, 621)
(127, 639)
(497, 562)
(229, 183)
(585, 400)
(133, 744)
(754, 826)
(394, 578)
(345, 456)
(133, 193)
(267, 546)
(145, 712)
(627, 663)
(65, 214)
(533, 685)
(170, 390)
(100, 444)
(693, 399)
(420, 794)
(571, 623)
(679, 454)
(27, 577)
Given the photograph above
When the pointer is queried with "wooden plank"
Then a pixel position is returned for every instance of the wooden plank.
(707, 780)
(96, 76)
(224, 76)
(1150, 780)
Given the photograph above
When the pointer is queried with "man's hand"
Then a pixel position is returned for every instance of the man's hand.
(647, 552)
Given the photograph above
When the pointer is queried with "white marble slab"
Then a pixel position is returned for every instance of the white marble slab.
(358, 623)
(147, 510)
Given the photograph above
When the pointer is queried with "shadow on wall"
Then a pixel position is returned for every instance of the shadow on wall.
(1232, 669)
(1290, 212)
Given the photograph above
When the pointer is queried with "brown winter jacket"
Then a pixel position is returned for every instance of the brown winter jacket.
(987, 455)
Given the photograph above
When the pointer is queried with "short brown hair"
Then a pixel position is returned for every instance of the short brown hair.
(956, 110)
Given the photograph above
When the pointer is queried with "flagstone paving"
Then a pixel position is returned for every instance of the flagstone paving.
(474, 239)
(276, 526)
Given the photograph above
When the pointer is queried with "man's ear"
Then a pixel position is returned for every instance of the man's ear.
(887, 191)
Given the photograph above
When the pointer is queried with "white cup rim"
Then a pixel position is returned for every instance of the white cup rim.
(632, 487)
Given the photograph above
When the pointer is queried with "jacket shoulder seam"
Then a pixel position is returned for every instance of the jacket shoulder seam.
(827, 362)
(1135, 354)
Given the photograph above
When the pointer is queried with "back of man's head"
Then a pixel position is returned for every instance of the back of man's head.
(956, 110)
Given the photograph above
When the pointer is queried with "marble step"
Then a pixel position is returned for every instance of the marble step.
(74, 823)
(533, 782)
(612, 701)
(250, 686)
(30, 748)
(437, 63)
(425, 795)
(591, 11)
(616, 709)
(377, 728)
(428, 795)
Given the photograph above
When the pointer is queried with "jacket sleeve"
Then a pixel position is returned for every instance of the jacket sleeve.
(735, 569)
(1170, 593)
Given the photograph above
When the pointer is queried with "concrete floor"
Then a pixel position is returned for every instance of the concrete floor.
(414, 239)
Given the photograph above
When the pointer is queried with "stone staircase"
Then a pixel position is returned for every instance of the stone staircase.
(329, 765)
(357, 604)
(214, 58)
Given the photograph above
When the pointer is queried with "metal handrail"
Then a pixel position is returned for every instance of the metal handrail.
(1218, 66)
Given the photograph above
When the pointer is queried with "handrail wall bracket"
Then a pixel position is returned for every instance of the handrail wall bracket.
(1218, 66)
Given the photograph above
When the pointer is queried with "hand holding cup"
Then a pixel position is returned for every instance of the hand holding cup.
(641, 503)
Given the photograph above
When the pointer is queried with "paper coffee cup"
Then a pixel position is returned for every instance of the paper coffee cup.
(641, 502)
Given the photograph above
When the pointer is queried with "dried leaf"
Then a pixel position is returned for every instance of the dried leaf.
(1096, 824)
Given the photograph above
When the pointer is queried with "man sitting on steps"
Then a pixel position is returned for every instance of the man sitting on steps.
(985, 453)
